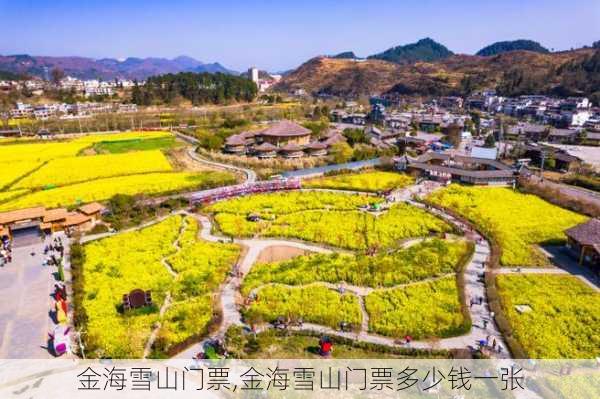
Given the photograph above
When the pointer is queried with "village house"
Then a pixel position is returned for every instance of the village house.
(562, 136)
(291, 150)
(283, 133)
(448, 167)
(528, 131)
(265, 150)
(286, 139)
(584, 243)
(562, 160)
(92, 210)
(316, 149)
(25, 226)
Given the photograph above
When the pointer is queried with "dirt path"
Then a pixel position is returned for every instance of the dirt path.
(168, 299)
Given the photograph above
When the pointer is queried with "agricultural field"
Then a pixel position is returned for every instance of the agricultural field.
(201, 267)
(135, 144)
(63, 173)
(71, 170)
(113, 267)
(12, 171)
(102, 189)
(315, 304)
(116, 265)
(423, 310)
(290, 202)
(372, 181)
(563, 321)
(431, 258)
(329, 218)
(517, 221)
(581, 386)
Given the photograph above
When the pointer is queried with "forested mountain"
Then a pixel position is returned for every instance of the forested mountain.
(106, 68)
(514, 45)
(199, 88)
(345, 55)
(424, 50)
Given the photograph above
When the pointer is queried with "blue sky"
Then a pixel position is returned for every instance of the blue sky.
(278, 35)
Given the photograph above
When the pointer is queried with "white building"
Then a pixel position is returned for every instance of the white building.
(253, 75)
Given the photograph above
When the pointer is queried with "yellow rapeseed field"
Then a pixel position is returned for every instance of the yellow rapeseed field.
(371, 181)
(56, 173)
(83, 168)
(518, 221)
(102, 189)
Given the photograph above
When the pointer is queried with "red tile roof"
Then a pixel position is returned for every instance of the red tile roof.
(53, 215)
(22, 214)
(91, 208)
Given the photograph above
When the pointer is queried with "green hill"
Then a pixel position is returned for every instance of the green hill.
(514, 45)
(424, 50)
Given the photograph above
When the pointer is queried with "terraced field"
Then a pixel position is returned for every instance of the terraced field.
(61, 173)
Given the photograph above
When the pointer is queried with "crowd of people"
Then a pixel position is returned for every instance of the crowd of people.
(6, 251)
(55, 252)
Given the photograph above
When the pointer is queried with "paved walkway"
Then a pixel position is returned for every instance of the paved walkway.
(249, 173)
(483, 323)
(26, 303)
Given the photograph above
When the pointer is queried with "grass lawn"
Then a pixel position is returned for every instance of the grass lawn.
(372, 181)
(517, 221)
(563, 322)
(136, 144)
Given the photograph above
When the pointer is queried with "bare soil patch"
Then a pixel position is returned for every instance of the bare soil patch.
(278, 253)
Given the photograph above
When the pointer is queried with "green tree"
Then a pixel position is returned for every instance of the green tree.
(355, 136)
(490, 141)
(341, 152)
(57, 75)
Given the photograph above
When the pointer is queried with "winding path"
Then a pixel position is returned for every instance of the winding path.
(483, 327)
(168, 298)
(249, 173)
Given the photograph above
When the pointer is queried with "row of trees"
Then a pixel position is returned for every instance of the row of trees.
(199, 88)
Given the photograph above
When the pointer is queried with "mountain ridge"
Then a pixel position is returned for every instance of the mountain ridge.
(425, 49)
(511, 73)
(106, 68)
(512, 45)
